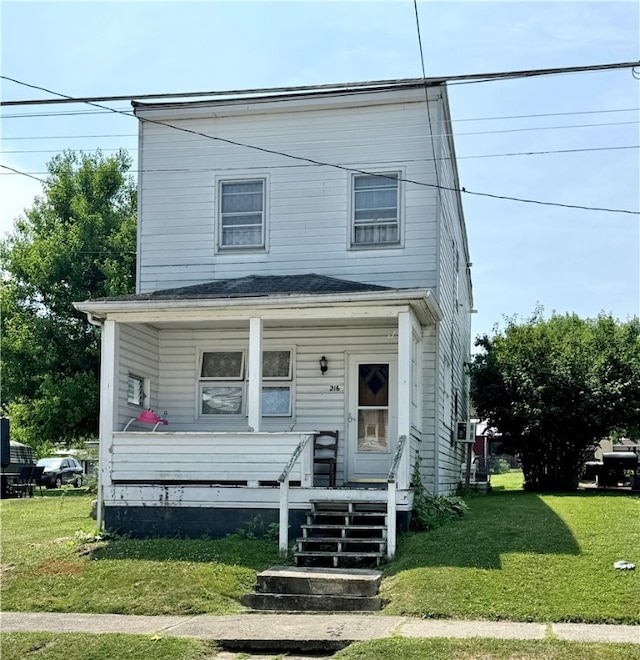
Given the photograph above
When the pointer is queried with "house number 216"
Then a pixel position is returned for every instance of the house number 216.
(335, 388)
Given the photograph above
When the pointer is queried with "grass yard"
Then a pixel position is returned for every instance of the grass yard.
(512, 480)
(21, 646)
(44, 568)
(526, 557)
(62, 646)
(486, 649)
(515, 555)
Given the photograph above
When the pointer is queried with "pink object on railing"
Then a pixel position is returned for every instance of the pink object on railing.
(148, 417)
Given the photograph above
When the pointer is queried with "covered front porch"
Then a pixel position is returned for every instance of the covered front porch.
(220, 477)
(239, 440)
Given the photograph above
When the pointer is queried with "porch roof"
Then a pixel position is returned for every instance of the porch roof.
(255, 295)
(257, 285)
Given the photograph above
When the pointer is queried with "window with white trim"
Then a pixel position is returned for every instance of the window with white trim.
(376, 209)
(137, 387)
(223, 383)
(241, 212)
(276, 393)
(222, 388)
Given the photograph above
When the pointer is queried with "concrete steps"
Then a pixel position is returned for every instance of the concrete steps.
(294, 589)
(342, 533)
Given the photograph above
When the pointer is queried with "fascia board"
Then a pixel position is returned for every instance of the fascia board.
(326, 306)
(273, 105)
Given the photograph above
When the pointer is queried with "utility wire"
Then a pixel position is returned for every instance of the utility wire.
(6, 167)
(277, 167)
(319, 163)
(440, 135)
(426, 98)
(453, 121)
(340, 87)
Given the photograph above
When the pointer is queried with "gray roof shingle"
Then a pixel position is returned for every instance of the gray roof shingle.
(258, 286)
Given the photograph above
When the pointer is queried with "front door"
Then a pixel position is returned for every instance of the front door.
(372, 419)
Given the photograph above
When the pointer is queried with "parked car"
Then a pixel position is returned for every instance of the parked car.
(61, 470)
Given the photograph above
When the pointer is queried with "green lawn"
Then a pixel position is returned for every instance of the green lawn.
(486, 649)
(511, 480)
(515, 555)
(77, 646)
(57, 646)
(44, 569)
(521, 556)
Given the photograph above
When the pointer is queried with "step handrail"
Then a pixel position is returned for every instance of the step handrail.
(283, 479)
(391, 497)
(294, 457)
(393, 470)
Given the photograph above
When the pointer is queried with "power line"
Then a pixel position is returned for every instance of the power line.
(354, 170)
(70, 137)
(453, 121)
(413, 160)
(546, 114)
(6, 167)
(327, 88)
(460, 134)
(33, 115)
(426, 98)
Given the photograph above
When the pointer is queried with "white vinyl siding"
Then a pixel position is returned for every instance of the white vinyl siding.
(376, 210)
(317, 400)
(454, 295)
(138, 357)
(308, 221)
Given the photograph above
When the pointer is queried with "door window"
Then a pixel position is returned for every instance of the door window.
(373, 408)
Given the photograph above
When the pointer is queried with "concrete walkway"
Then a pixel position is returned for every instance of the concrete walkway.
(306, 632)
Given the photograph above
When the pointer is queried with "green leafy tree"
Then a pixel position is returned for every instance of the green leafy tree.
(552, 389)
(77, 241)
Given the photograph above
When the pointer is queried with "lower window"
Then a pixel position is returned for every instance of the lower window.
(276, 401)
(222, 399)
(223, 384)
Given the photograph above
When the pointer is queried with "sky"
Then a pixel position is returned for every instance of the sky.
(524, 255)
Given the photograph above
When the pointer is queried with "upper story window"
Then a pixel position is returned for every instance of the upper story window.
(242, 214)
(376, 210)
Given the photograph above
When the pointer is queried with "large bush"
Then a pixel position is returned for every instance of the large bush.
(554, 388)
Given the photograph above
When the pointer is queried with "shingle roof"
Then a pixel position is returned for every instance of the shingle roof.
(258, 286)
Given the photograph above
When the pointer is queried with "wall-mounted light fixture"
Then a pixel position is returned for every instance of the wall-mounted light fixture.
(323, 365)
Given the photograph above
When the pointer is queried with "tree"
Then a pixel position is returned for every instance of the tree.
(552, 389)
(77, 241)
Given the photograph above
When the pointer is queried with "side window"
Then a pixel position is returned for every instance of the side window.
(136, 390)
(241, 214)
(376, 210)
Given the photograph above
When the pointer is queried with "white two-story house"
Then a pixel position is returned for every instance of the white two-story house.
(303, 266)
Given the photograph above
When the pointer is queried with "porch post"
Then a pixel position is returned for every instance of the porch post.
(108, 398)
(283, 520)
(255, 374)
(391, 520)
(405, 392)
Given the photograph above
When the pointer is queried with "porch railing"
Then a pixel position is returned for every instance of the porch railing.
(283, 534)
(392, 487)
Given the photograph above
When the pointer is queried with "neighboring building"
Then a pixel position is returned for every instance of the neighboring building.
(302, 265)
(621, 444)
